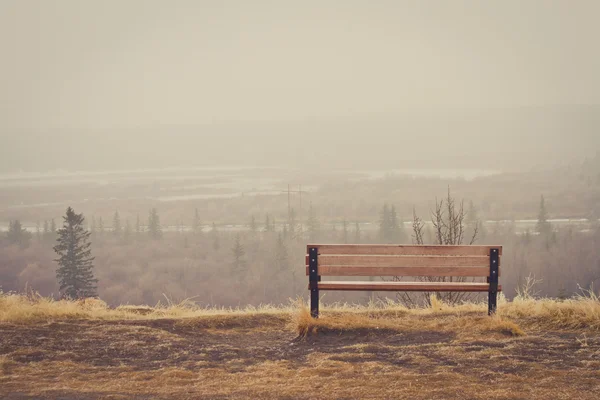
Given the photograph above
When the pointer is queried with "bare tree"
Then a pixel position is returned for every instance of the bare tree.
(449, 225)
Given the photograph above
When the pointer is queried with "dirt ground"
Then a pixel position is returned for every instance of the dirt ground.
(177, 358)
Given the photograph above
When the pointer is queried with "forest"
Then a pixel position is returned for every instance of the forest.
(139, 259)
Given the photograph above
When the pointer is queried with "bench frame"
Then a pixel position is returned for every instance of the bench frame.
(314, 278)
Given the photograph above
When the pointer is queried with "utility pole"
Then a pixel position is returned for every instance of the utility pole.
(289, 203)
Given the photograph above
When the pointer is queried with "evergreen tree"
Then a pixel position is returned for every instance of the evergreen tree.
(394, 225)
(138, 225)
(46, 232)
(238, 267)
(154, 228)
(116, 228)
(196, 223)
(474, 227)
(282, 262)
(390, 229)
(17, 234)
(543, 226)
(292, 224)
(215, 237)
(127, 232)
(52, 226)
(384, 224)
(268, 227)
(93, 226)
(312, 224)
(38, 231)
(252, 226)
(472, 214)
(100, 227)
(285, 231)
(75, 261)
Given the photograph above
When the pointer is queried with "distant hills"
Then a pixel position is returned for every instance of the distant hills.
(499, 138)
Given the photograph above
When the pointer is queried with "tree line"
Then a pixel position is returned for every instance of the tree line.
(277, 247)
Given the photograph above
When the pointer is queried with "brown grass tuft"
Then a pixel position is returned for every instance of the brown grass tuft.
(426, 320)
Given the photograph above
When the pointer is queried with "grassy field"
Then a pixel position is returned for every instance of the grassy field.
(533, 349)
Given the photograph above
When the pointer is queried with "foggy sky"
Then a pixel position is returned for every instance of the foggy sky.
(110, 69)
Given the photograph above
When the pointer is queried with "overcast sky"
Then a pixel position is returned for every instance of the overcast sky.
(106, 64)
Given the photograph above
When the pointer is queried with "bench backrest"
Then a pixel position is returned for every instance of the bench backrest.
(402, 260)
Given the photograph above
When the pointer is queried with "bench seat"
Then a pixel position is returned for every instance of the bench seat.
(407, 286)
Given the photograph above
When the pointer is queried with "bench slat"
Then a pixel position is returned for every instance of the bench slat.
(402, 271)
(404, 261)
(404, 250)
(407, 286)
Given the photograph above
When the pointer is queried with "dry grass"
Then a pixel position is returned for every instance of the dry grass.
(535, 349)
(31, 308)
(463, 320)
(579, 313)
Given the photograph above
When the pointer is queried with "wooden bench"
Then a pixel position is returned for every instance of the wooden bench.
(341, 260)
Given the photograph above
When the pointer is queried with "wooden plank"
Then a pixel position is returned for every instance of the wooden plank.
(404, 261)
(407, 261)
(402, 271)
(407, 286)
(404, 250)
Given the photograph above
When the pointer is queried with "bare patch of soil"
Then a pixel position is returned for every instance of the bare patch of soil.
(189, 359)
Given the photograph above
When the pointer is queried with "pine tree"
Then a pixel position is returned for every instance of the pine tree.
(138, 225)
(17, 234)
(93, 226)
(472, 213)
(292, 224)
(38, 231)
(384, 224)
(196, 223)
(127, 232)
(100, 227)
(252, 226)
(268, 227)
(312, 224)
(238, 267)
(543, 226)
(75, 261)
(281, 258)
(52, 227)
(285, 231)
(46, 232)
(154, 228)
(116, 228)
(395, 227)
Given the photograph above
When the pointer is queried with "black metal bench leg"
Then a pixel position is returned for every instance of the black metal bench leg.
(313, 277)
(493, 280)
(492, 296)
(314, 303)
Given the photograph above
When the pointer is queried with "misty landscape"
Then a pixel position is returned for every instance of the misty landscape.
(164, 165)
